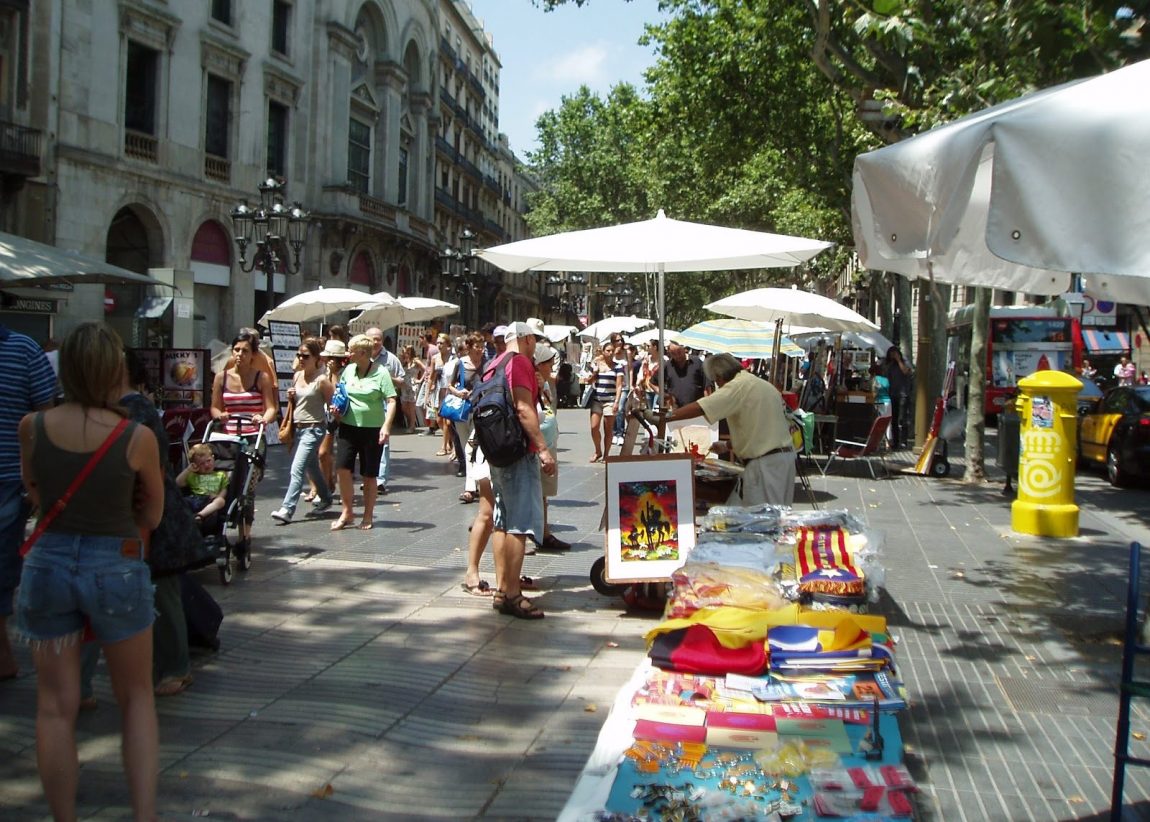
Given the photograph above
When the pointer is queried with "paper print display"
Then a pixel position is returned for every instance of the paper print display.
(648, 520)
(650, 516)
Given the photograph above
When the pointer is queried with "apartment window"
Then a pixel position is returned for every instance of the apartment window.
(222, 11)
(402, 176)
(140, 89)
(277, 139)
(359, 155)
(217, 116)
(281, 26)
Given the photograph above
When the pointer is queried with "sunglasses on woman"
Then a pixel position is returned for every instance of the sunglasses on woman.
(303, 356)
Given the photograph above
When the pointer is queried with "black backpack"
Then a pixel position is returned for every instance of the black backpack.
(493, 416)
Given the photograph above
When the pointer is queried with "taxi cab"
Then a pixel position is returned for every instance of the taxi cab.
(1114, 431)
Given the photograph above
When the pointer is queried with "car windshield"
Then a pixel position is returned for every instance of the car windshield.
(1142, 395)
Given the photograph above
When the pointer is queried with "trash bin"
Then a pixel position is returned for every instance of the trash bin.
(1009, 440)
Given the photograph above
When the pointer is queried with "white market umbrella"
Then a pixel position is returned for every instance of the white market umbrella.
(316, 305)
(651, 335)
(793, 307)
(559, 333)
(386, 311)
(1018, 195)
(25, 262)
(740, 338)
(615, 325)
(658, 245)
(809, 337)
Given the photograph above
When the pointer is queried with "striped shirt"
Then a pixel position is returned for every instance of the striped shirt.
(28, 384)
(605, 377)
(249, 401)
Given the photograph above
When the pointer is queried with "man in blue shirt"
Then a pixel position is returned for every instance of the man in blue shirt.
(29, 385)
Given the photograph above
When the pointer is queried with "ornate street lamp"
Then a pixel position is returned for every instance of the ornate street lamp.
(620, 298)
(276, 229)
(461, 270)
(562, 297)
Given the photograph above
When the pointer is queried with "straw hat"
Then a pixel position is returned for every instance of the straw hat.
(334, 349)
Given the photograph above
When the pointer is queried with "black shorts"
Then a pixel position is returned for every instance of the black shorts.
(358, 442)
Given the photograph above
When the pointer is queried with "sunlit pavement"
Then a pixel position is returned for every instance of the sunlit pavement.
(356, 680)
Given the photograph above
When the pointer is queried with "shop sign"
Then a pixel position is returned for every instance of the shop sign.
(27, 305)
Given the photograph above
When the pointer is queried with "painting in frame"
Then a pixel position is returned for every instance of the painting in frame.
(650, 516)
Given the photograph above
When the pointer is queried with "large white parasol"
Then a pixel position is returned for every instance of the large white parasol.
(318, 305)
(658, 245)
(793, 307)
(1019, 195)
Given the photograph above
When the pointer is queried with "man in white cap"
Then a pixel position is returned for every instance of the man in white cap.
(517, 487)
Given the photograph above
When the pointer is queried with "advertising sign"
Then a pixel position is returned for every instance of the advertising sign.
(285, 340)
(184, 376)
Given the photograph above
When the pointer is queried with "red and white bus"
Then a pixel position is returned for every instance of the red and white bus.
(1021, 340)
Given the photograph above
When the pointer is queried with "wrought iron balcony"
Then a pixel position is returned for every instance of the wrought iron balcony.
(20, 149)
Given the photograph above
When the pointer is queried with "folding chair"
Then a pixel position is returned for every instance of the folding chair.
(799, 441)
(873, 447)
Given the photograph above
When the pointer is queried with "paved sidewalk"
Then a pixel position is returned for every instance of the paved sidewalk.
(357, 681)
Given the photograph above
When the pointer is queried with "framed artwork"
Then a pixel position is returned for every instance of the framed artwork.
(650, 516)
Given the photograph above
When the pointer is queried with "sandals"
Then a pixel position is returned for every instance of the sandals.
(520, 607)
(596, 458)
(172, 685)
(528, 583)
(468, 496)
(441, 453)
(479, 589)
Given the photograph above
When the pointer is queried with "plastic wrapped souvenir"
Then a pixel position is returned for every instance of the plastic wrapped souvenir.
(707, 585)
(760, 519)
(754, 551)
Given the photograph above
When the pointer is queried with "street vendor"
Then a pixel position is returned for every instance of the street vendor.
(760, 434)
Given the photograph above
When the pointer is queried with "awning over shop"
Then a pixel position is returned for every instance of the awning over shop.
(1106, 342)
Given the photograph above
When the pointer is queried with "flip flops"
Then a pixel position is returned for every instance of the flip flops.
(479, 589)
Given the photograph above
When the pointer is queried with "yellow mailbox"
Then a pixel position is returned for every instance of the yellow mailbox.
(1048, 405)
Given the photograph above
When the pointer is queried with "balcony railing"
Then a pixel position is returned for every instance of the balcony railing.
(140, 146)
(376, 208)
(217, 168)
(20, 149)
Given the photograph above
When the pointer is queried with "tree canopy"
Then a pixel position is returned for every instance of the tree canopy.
(755, 109)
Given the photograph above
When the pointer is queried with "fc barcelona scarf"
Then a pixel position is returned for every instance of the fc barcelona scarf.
(824, 565)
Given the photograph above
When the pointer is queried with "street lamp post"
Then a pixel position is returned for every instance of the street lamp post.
(620, 297)
(276, 229)
(461, 269)
(563, 297)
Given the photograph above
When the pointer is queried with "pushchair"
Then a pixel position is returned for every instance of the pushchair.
(243, 457)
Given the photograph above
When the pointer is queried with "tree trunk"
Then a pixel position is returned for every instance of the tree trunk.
(976, 388)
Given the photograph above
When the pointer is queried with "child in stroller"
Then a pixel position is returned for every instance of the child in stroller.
(207, 488)
(222, 474)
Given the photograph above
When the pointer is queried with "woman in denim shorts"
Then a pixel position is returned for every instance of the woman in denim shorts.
(87, 570)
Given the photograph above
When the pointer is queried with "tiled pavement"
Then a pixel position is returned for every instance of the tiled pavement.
(357, 681)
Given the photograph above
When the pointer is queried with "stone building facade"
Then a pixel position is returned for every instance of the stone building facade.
(152, 119)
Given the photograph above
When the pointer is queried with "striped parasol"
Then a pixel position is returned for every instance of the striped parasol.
(742, 338)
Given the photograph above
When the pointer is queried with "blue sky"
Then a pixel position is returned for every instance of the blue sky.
(546, 55)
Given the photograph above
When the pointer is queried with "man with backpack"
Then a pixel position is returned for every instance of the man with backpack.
(506, 424)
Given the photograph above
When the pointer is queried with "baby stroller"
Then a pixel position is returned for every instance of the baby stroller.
(243, 457)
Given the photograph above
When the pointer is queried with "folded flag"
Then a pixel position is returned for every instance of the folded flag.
(824, 566)
(697, 650)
